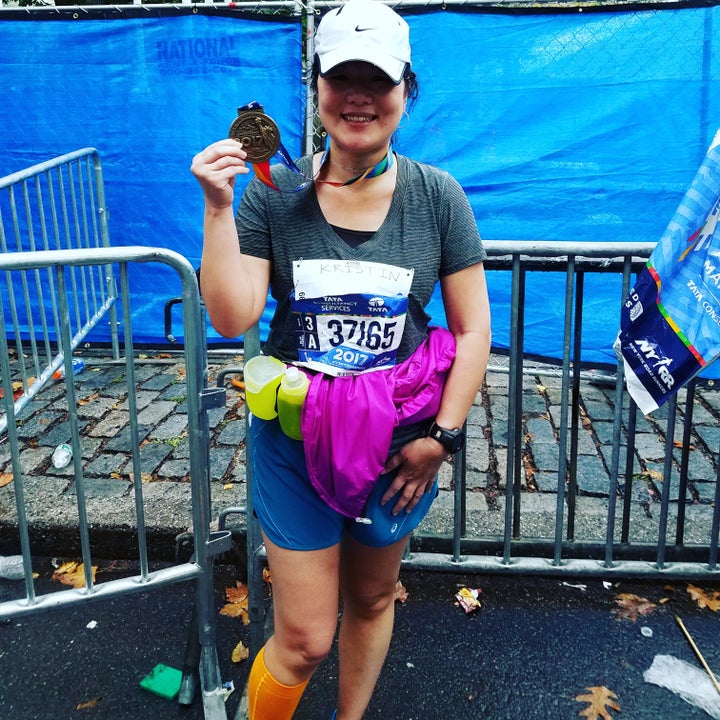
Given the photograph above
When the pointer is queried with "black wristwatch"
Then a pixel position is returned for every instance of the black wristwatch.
(452, 440)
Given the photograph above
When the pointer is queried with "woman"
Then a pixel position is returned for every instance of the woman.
(389, 395)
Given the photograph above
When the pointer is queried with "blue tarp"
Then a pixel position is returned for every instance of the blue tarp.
(148, 93)
(584, 127)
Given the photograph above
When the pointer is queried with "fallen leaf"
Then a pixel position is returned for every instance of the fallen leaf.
(237, 602)
(632, 605)
(240, 653)
(73, 574)
(89, 704)
(236, 610)
(163, 356)
(401, 594)
(598, 700)
(17, 388)
(145, 477)
(679, 444)
(237, 594)
(88, 399)
(5, 479)
(709, 600)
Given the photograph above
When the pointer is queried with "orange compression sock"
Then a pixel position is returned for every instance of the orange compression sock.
(269, 699)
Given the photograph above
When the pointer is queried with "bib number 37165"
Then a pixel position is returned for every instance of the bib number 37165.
(349, 316)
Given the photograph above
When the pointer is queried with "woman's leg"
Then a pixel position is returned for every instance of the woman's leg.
(305, 606)
(367, 580)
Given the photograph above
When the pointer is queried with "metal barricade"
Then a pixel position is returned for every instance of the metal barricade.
(55, 205)
(550, 533)
(58, 265)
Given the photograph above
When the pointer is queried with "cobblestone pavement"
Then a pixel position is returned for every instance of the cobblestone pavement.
(103, 414)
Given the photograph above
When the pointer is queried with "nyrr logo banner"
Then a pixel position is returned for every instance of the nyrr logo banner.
(670, 322)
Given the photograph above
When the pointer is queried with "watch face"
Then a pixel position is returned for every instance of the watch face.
(452, 440)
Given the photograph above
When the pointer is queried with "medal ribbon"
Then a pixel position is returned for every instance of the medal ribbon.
(262, 169)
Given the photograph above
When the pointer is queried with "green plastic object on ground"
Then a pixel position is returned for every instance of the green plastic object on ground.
(163, 680)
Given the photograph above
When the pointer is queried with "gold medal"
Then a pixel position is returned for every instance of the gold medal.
(257, 133)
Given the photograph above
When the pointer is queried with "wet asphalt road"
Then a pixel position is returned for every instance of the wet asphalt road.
(534, 645)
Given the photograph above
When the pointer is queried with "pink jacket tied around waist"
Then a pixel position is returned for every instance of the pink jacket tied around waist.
(348, 422)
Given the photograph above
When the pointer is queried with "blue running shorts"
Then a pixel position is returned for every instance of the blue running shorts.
(294, 516)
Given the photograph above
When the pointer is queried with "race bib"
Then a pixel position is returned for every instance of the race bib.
(349, 315)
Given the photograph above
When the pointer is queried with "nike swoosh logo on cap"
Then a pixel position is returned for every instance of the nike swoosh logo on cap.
(359, 29)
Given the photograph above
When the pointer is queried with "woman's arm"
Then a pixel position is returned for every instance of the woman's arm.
(467, 310)
(234, 286)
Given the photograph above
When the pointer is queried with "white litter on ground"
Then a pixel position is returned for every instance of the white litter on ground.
(689, 682)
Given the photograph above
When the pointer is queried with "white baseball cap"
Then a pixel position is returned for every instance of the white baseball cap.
(365, 30)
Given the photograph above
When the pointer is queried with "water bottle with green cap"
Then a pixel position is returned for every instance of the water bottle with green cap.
(291, 396)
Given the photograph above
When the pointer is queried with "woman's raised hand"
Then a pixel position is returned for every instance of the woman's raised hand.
(216, 167)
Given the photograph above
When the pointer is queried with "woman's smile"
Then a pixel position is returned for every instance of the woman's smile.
(356, 118)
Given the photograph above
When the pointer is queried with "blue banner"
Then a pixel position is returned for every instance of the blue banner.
(584, 127)
(148, 93)
(576, 127)
(670, 327)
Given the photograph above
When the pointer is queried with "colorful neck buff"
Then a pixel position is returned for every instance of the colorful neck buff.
(262, 167)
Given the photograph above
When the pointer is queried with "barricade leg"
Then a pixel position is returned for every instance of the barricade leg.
(191, 663)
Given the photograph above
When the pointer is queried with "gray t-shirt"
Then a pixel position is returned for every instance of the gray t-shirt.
(429, 228)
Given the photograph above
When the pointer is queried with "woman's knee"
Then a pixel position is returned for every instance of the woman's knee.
(369, 602)
(368, 577)
(307, 647)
